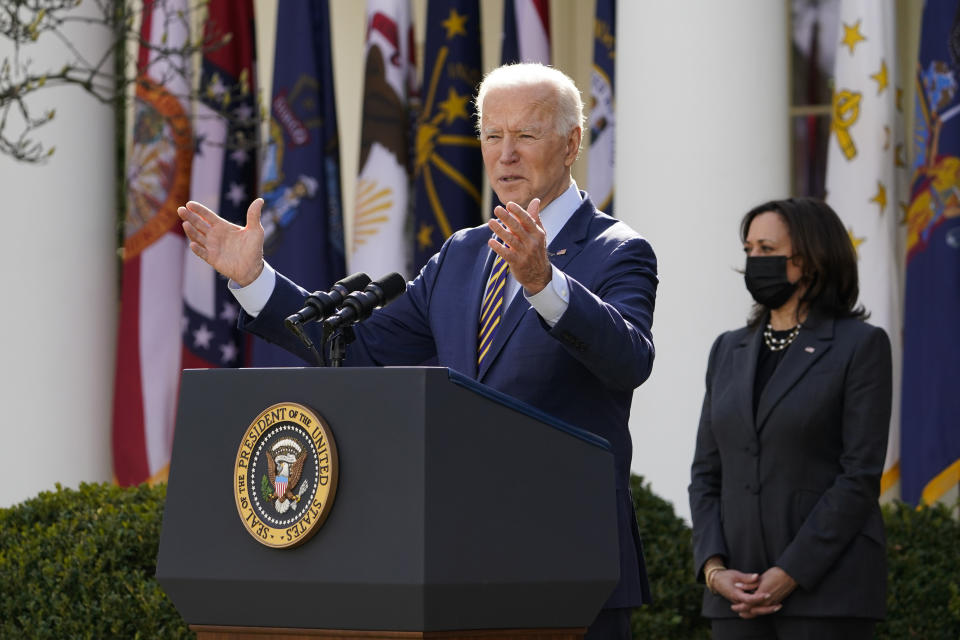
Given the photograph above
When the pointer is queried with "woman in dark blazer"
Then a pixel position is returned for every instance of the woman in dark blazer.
(785, 481)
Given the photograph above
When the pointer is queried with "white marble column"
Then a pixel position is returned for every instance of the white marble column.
(702, 136)
(58, 324)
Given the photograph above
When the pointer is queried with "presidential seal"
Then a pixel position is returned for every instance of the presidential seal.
(285, 475)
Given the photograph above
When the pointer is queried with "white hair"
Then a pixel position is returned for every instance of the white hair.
(528, 74)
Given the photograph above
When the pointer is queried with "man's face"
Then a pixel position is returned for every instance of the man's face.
(524, 156)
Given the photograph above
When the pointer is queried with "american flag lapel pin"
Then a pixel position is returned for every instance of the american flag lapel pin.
(560, 252)
(809, 349)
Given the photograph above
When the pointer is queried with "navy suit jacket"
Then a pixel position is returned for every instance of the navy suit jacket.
(582, 371)
(797, 486)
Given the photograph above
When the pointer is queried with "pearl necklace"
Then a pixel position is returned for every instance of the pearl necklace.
(779, 344)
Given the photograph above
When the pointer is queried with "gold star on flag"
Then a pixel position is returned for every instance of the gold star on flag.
(455, 24)
(881, 78)
(455, 106)
(899, 99)
(424, 236)
(855, 241)
(852, 36)
(898, 156)
(880, 197)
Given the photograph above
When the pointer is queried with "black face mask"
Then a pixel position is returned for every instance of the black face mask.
(766, 278)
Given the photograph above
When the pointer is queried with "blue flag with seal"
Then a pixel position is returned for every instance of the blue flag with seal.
(448, 169)
(300, 181)
(930, 426)
(602, 107)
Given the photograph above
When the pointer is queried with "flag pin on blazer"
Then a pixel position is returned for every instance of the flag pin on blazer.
(809, 349)
(559, 252)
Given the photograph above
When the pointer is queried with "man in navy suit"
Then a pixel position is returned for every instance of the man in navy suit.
(551, 302)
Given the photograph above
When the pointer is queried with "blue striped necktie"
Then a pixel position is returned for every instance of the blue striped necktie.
(491, 309)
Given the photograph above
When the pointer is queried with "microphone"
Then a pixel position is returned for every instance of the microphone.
(360, 304)
(321, 304)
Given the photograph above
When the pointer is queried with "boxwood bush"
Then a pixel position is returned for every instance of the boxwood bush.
(667, 545)
(81, 563)
(923, 564)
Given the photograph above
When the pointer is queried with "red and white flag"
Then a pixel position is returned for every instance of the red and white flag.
(158, 178)
(381, 212)
(224, 178)
(526, 31)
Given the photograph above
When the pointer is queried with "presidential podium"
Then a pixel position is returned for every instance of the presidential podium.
(458, 512)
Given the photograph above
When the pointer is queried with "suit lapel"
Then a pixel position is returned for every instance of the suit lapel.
(571, 239)
(810, 345)
(564, 247)
(745, 360)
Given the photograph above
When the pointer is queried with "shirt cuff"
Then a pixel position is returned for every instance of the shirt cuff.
(552, 301)
(253, 297)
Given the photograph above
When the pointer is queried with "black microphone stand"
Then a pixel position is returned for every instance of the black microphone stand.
(338, 344)
(296, 328)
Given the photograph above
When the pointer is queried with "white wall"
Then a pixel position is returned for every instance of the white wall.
(701, 138)
(58, 324)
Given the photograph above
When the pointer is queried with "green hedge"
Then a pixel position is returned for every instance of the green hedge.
(675, 612)
(923, 561)
(80, 564)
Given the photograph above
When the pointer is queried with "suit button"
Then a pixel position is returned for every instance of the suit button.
(751, 449)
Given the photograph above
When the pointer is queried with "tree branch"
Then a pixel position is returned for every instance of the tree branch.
(28, 22)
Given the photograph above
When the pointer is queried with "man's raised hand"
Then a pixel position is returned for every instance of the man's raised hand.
(525, 244)
(235, 252)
